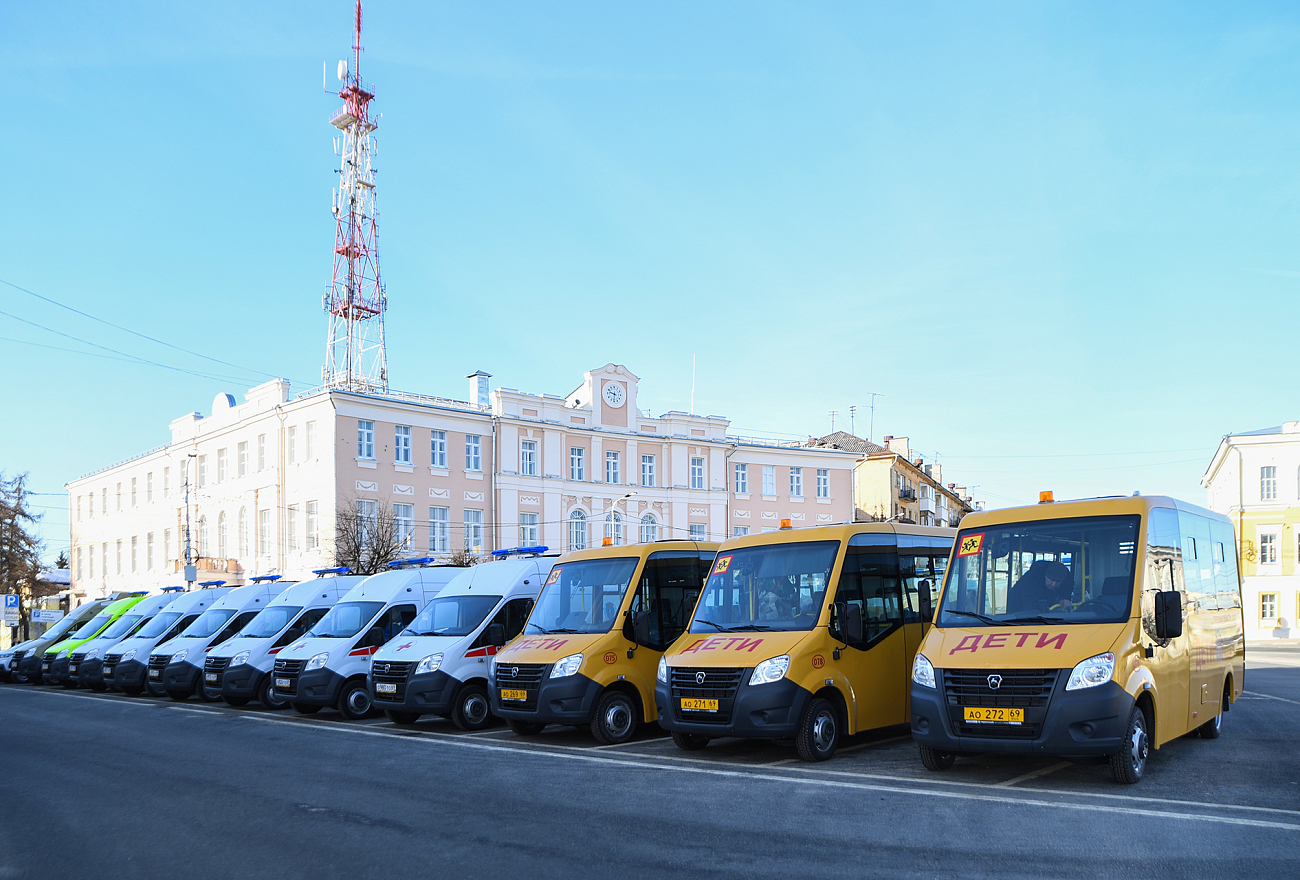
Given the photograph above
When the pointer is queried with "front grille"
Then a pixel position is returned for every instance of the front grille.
(46, 662)
(157, 663)
(19, 655)
(1028, 689)
(78, 657)
(214, 666)
(391, 673)
(287, 669)
(525, 677)
(718, 684)
(110, 664)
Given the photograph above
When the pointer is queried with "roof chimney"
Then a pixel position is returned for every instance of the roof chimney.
(478, 387)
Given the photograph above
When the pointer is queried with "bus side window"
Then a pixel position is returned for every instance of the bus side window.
(511, 616)
(304, 622)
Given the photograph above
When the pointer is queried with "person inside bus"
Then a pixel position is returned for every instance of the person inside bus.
(1046, 586)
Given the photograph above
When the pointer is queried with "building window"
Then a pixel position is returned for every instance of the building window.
(697, 473)
(222, 546)
(474, 531)
(135, 550)
(473, 452)
(577, 530)
(402, 444)
(737, 531)
(103, 559)
(167, 481)
(648, 470)
(649, 529)
(577, 463)
(90, 552)
(264, 532)
(148, 486)
(78, 508)
(1267, 548)
(614, 528)
(769, 480)
(103, 501)
(292, 444)
(529, 530)
(148, 552)
(117, 496)
(313, 523)
(528, 458)
(309, 450)
(367, 518)
(1268, 606)
(204, 545)
(611, 468)
(365, 439)
(291, 526)
(241, 459)
(261, 452)
(796, 482)
(133, 492)
(80, 559)
(438, 449)
(742, 479)
(403, 525)
(439, 530)
(823, 483)
(1268, 483)
(697, 532)
(241, 534)
(221, 466)
(167, 545)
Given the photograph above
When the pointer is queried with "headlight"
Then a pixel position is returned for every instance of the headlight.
(179, 656)
(239, 659)
(662, 672)
(429, 664)
(318, 661)
(923, 671)
(92, 654)
(566, 666)
(129, 655)
(770, 670)
(1092, 672)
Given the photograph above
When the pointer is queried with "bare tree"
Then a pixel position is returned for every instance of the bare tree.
(463, 556)
(20, 550)
(366, 535)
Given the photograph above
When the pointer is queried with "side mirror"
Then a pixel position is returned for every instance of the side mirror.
(641, 628)
(927, 602)
(375, 636)
(496, 634)
(853, 624)
(1169, 614)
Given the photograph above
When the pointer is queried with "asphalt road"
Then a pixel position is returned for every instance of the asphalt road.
(110, 786)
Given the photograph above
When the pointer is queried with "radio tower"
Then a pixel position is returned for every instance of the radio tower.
(355, 355)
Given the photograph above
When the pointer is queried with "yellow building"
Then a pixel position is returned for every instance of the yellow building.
(1254, 478)
(892, 485)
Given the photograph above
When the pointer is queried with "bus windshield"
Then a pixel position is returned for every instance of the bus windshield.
(582, 596)
(92, 626)
(1077, 570)
(159, 624)
(270, 621)
(208, 624)
(345, 620)
(780, 587)
(121, 626)
(452, 615)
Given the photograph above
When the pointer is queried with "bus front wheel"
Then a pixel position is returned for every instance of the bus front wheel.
(819, 734)
(935, 760)
(1128, 764)
(689, 742)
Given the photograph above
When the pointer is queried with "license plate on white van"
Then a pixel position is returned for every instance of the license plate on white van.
(155, 673)
(283, 683)
(73, 669)
(384, 687)
(209, 676)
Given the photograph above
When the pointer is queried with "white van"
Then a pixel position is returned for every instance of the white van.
(25, 659)
(126, 666)
(86, 664)
(328, 666)
(178, 665)
(240, 668)
(438, 665)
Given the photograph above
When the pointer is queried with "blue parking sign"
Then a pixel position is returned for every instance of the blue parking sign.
(11, 600)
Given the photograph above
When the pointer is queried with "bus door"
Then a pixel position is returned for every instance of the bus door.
(668, 587)
(1168, 662)
(878, 666)
(921, 567)
(1205, 671)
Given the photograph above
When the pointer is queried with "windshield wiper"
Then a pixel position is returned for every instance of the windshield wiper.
(749, 627)
(992, 621)
(575, 632)
(719, 627)
(1036, 619)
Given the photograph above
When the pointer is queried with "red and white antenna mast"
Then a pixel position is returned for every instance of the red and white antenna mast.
(355, 355)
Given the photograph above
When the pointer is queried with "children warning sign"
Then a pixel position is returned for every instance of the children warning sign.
(970, 545)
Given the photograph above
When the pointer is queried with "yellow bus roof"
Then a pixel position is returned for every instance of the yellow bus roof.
(1116, 505)
(640, 551)
(837, 532)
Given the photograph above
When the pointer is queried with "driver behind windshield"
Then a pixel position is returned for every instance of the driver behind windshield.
(1047, 585)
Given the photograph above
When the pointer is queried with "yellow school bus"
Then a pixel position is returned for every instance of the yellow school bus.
(588, 654)
(803, 634)
(1090, 630)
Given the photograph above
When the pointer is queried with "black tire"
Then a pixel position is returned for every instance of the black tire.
(132, 691)
(305, 709)
(402, 719)
(935, 760)
(689, 742)
(19, 678)
(1213, 728)
(237, 702)
(205, 695)
(98, 687)
(819, 732)
(69, 684)
(155, 690)
(178, 696)
(471, 710)
(354, 700)
(525, 728)
(1130, 762)
(267, 696)
(615, 719)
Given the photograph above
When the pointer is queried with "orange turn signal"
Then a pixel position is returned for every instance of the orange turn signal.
(1045, 497)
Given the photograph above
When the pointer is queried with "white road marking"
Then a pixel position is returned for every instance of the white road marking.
(1271, 697)
(1042, 771)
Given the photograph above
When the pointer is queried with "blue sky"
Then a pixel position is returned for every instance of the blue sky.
(1060, 239)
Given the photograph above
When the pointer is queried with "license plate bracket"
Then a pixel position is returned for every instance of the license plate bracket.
(693, 704)
(513, 694)
(993, 715)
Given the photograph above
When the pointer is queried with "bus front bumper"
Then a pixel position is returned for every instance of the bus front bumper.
(30, 666)
(319, 687)
(426, 693)
(240, 682)
(568, 700)
(1083, 723)
(766, 711)
(129, 674)
(58, 671)
(91, 672)
(180, 679)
